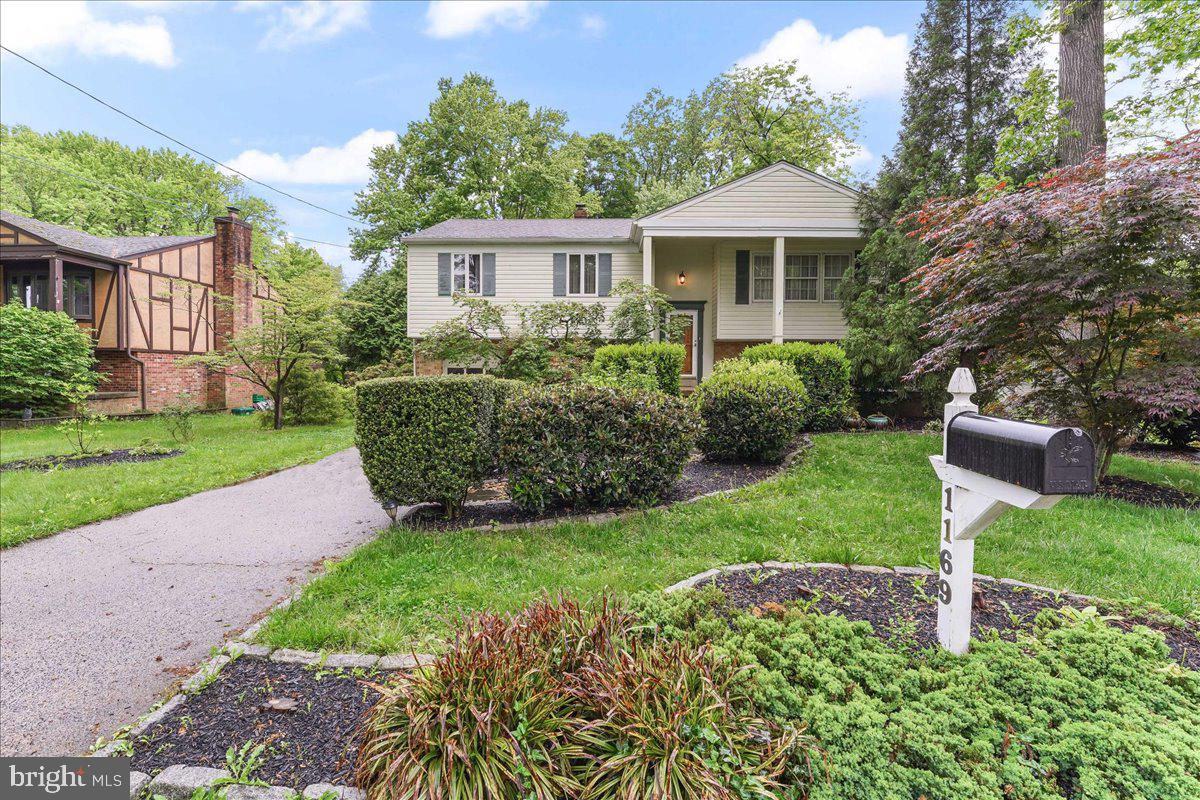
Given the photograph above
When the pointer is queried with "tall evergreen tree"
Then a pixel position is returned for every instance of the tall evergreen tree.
(960, 74)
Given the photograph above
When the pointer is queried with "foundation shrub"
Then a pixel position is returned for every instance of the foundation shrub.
(1075, 708)
(751, 411)
(567, 701)
(425, 439)
(661, 360)
(46, 361)
(825, 371)
(579, 445)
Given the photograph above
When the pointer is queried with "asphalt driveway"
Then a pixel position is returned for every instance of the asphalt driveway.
(96, 623)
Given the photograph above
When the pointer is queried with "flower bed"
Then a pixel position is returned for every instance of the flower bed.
(130, 455)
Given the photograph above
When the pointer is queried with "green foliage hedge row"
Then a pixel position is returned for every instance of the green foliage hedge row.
(825, 371)
(45, 361)
(1075, 709)
(663, 360)
(751, 411)
(425, 439)
(582, 445)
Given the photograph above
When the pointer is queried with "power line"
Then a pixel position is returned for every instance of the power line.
(132, 193)
(172, 138)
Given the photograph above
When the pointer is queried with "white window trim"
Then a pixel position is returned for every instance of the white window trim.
(447, 366)
(478, 285)
(849, 265)
(582, 275)
(771, 256)
(819, 276)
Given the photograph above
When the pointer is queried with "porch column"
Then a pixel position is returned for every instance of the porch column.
(648, 260)
(56, 284)
(777, 285)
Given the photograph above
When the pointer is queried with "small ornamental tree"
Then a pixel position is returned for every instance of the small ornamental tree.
(1082, 288)
(643, 314)
(298, 327)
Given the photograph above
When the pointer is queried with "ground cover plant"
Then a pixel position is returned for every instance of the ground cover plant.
(1072, 708)
(863, 498)
(751, 411)
(224, 450)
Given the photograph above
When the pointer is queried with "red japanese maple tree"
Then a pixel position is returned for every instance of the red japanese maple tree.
(1082, 289)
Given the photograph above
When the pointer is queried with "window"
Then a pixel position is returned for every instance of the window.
(763, 276)
(465, 271)
(32, 290)
(581, 274)
(800, 272)
(835, 270)
(465, 369)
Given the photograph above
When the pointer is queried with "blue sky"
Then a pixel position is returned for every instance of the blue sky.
(296, 93)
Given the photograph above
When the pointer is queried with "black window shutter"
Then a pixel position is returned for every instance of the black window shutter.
(488, 280)
(444, 285)
(560, 274)
(741, 278)
(604, 278)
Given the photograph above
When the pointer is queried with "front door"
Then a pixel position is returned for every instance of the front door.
(690, 342)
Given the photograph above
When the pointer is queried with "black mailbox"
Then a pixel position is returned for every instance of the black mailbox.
(1043, 458)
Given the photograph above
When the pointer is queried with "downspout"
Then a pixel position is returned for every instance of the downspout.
(123, 327)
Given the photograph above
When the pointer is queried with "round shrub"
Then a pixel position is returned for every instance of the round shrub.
(751, 411)
(581, 445)
(45, 361)
(663, 360)
(425, 439)
(825, 371)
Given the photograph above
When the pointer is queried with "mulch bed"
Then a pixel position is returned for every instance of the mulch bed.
(46, 463)
(311, 744)
(489, 504)
(1162, 452)
(903, 608)
(1144, 493)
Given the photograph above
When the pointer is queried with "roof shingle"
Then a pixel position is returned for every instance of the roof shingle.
(111, 247)
(586, 229)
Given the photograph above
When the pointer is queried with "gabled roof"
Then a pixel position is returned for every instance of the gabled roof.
(588, 229)
(106, 247)
(788, 166)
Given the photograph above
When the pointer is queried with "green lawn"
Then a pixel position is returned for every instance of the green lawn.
(869, 499)
(226, 450)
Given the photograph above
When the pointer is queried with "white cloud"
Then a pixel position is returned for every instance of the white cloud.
(860, 158)
(346, 164)
(33, 27)
(306, 22)
(594, 25)
(866, 62)
(449, 19)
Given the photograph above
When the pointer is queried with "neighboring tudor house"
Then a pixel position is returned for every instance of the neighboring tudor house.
(758, 259)
(148, 302)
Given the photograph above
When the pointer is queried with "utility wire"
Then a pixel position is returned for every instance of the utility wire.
(171, 138)
(132, 193)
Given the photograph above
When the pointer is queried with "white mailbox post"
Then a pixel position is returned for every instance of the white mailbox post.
(1045, 458)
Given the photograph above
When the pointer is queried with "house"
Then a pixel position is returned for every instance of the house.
(758, 259)
(148, 301)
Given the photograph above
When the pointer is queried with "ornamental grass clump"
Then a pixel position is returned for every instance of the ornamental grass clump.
(751, 411)
(825, 372)
(578, 445)
(561, 701)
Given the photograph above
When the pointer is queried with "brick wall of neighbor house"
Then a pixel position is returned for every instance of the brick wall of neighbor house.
(426, 366)
(230, 252)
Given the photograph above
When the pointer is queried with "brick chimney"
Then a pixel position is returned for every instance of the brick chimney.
(231, 257)
(581, 211)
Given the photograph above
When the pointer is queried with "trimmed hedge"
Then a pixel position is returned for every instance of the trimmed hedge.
(426, 439)
(825, 371)
(663, 359)
(751, 411)
(589, 446)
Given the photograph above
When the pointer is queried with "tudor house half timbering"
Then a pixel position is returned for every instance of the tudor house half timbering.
(149, 302)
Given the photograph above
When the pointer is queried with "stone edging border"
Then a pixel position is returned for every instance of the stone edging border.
(695, 580)
(179, 781)
(803, 443)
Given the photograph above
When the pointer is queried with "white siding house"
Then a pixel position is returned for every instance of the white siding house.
(757, 259)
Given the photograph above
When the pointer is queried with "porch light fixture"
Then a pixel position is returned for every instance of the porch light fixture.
(682, 279)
